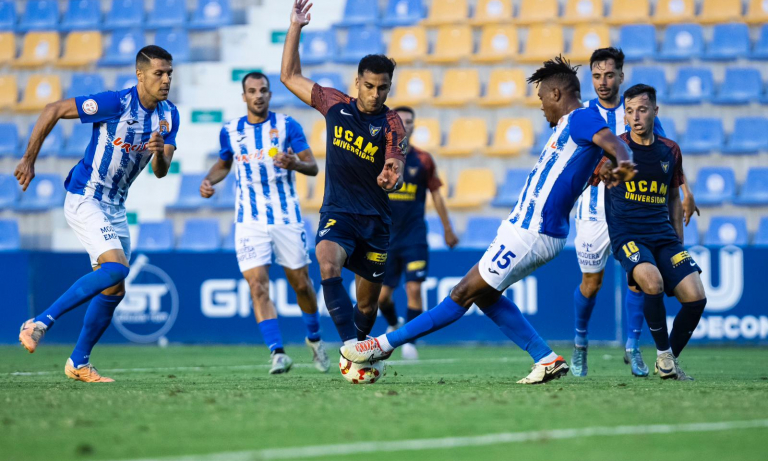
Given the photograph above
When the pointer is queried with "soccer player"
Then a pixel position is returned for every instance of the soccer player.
(268, 148)
(131, 128)
(535, 231)
(645, 221)
(408, 249)
(592, 241)
(365, 156)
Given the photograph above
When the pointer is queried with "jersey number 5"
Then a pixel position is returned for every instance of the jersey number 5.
(630, 248)
(505, 260)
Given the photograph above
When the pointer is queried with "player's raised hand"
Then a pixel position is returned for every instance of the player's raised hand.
(624, 172)
(24, 173)
(390, 179)
(300, 14)
(206, 189)
(156, 144)
(286, 160)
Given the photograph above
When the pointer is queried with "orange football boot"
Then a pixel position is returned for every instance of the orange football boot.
(31, 334)
(86, 373)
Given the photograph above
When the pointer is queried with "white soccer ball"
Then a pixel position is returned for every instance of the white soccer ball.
(361, 373)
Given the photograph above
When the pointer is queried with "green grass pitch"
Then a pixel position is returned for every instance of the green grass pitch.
(199, 401)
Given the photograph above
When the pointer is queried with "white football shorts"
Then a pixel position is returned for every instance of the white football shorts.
(100, 227)
(593, 245)
(256, 242)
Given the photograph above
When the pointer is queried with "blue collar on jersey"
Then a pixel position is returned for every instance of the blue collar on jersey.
(271, 118)
(596, 102)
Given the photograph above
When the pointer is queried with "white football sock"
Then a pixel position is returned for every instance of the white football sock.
(548, 359)
(384, 343)
(658, 352)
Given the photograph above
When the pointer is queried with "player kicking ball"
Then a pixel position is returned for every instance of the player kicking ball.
(535, 231)
(267, 216)
(130, 128)
(645, 221)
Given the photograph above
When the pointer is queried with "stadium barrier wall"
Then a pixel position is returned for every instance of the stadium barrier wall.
(202, 298)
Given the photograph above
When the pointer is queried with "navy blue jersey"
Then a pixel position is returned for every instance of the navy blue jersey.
(357, 147)
(408, 226)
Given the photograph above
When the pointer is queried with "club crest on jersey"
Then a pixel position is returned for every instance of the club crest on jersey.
(665, 166)
(164, 127)
(634, 257)
(90, 107)
(374, 129)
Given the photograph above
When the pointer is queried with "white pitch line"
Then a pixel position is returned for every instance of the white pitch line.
(318, 451)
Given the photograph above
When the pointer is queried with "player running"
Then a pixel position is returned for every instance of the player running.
(131, 127)
(366, 148)
(592, 241)
(267, 216)
(408, 249)
(535, 231)
(645, 221)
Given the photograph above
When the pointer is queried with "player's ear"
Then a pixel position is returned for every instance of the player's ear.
(656, 111)
(556, 94)
(244, 100)
(139, 75)
(621, 77)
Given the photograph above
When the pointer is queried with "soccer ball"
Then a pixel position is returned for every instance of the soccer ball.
(361, 373)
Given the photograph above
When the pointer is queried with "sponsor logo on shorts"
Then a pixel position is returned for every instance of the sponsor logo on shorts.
(378, 258)
(415, 266)
(378, 274)
(108, 232)
(681, 258)
(245, 251)
(90, 107)
(323, 232)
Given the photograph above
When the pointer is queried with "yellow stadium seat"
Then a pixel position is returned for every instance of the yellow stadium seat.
(447, 12)
(426, 134)
(453, 44)
(408, 44)
(717, 11)
(629, 12)
(505, 87)
(81, 49)
(497, 44)
(315, 201)
(673, 11)
(302, 186)
(544, 42)
(583, 11)
(7, 47)
(475, 187)
(41, 90)
(9, 92)
(492, 12)
(466, 137)
(412, 87)
(586, 39)
(513, 135)
(352, 90)
(459, 87)
(39, 49)
(317, 138)
(537, 11)
(757, 12)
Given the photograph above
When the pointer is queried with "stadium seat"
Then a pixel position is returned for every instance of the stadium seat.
(9, 92)
(10, 238)
(741, 86)
(413, 87)
(39, 15)
(513, 135)
(155, 236)
(167, 13)
(175, 42)
(311, 230)
(682, 42)
(719, 11)
(125, 14)
(760, 51)
(466, 137)
(328, 79)
(123, 48)
(315, 201)
(670, 127)
(498, 43)
(7, 15)
(211, 14)
(586, 39)
(447, 12)
(318, 47)
(475, 187)
(542, 138)
(729, 42)
(124, 81)
(40, 90)
(544, 42)
(460, 87)
(693, 85)
(426, 134)
(505, 87)
(761, 237)
(408, 44)
(81, 15)
(39, 49)
(81, 49)
(228, 243)
(9, 191)
(77, 141)
(200, 234)
(224, 198)
(480, 232)
(46, 191)
(507, 195)
(637, 41)
(750, 136)
(583, 12)
(301, 186)
(537, 12)
(361, 40)
(9, 139)
(727, 230)
(403, 13)
(360, 13)
(757, 12)
(715, 186)
(702, 136)
(691, 232)
(453, 44)
(629, 12)
(281, 95)
(52, 145)
(492, 12)
(435, 233)
(754, 191)
(189, 194)
(317, 138)
(673, 11)
(650, 75)
(7, 47)
(84, 84)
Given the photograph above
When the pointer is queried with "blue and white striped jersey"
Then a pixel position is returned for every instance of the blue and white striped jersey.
(118, 149)
(265, 193)
(564, 168)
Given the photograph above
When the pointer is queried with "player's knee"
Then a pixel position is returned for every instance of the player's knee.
(303, 286)
(329, 269)
(590, 287)
(259, 288)
(115, 290)
(462, 295)
(116, 271)
(413, 291)
(653, 286)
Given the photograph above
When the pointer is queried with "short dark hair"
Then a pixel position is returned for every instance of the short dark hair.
(604, 54)
(377, 64)
(560, 69)
(256, 75)
(150, 52)
(405, 109)
(640, 89)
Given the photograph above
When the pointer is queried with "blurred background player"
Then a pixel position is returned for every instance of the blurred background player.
(131, 127)
(408, 248)
(267, 216)
(645, 221)
(535, 231)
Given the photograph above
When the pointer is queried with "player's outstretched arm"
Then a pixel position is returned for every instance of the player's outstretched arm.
(215, 175)
(450, 237)
(619, 153)
(676, 211)
(53, 112)
(290, 70)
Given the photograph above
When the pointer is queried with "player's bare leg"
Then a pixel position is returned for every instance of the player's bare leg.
(690, 293)
(584, 302)
(413, 293)
(648, 278)
(307, 299)
(331, 257)
(266, 318)
(367, 306)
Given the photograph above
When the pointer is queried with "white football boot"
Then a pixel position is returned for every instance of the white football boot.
(319, 355)
(281, 363)
(544, 372)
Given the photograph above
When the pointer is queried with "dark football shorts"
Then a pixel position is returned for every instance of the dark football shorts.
(413, 260)
(364, 238)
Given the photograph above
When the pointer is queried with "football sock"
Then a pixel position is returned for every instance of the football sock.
(339, 307)
(312, 322)
(510, 320)
(434, 319)
(85, 288)
(583, 308)
(659, 351)
(389, 313)
(634, 303)
(411, 314)
(656, 317)
(685, 323)
(363, 323)
(270, 331)
(549, 358)
(97, 319)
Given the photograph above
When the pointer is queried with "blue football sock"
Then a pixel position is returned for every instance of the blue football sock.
(85, 288)
(312, 322)
(411, 314)
(441, 316)
(633, 306)
(339, 307)
(363, 323)
(508, 317)
(583, 308)
(656, 317)
(270, 331)
(97, 319)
